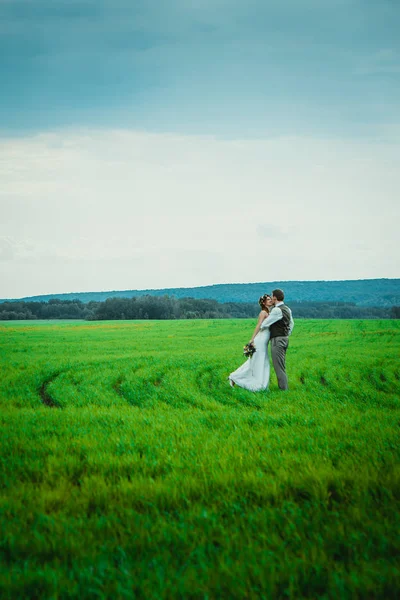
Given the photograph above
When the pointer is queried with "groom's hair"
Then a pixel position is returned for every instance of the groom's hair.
(279, 295)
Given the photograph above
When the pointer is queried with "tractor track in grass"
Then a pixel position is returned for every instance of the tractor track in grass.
(49, 401)
(44, 394)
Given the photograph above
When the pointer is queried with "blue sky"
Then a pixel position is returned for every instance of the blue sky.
(155, 144)
(253, 67)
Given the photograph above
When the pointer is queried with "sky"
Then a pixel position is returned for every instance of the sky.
(179, 143)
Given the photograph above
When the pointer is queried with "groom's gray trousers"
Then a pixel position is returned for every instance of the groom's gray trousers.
(279, 345)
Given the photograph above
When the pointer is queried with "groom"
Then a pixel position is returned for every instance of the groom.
(280, 323)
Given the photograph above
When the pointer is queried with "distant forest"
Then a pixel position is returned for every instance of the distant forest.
(361, 292)
(165, 307)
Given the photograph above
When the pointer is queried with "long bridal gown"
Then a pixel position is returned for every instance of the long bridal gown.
(253, 375)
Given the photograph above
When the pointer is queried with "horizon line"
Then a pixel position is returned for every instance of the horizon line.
(206, 286)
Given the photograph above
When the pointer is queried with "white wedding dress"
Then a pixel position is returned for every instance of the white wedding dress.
(253, 375)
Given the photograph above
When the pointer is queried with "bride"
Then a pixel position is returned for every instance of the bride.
(253, 375)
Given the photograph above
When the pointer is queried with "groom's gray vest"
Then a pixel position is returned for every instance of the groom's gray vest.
(281, 328)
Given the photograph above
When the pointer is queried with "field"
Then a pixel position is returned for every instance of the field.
(130, 468)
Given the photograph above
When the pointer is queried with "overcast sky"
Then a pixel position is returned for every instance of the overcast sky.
(178, 143)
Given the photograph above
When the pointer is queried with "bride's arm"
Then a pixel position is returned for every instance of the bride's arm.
(263, 315)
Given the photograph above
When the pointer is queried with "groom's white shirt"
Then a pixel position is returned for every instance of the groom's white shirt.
(276, 315)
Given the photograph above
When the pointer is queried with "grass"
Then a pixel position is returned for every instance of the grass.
(130, 469)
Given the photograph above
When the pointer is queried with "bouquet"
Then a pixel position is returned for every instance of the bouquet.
(249, 349)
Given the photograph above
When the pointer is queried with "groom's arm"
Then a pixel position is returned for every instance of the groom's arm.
(274, 316)
(291, 324)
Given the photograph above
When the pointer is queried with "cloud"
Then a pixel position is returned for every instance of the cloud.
(7, 249)
(115, 209)
(25, 250)
(270, 231)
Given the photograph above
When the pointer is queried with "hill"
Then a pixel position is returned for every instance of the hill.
(363, 292)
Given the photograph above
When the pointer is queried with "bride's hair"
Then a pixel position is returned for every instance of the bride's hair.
(262, 302)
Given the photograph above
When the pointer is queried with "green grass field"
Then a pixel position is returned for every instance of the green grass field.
(130, 468)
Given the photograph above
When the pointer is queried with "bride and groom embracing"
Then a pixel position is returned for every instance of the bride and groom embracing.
(275, 324)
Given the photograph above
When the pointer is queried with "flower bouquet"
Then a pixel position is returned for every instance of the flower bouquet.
(249, 349)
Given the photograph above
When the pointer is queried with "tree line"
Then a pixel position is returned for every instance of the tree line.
(166, 307)
(361, 292)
